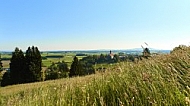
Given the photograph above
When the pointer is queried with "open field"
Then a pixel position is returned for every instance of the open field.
(161, 80)
(67, 57)
(5, 63)
(6, 55)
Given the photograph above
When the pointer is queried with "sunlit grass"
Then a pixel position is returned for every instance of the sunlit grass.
(5, 63)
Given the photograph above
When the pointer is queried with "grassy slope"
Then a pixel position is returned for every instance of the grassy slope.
(162, 80)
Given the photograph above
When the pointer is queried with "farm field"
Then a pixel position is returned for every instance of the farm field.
(53, 58)
(6, 63)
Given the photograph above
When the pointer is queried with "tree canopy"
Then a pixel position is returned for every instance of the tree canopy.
(17, 67)
(33, 64)
(1, 64)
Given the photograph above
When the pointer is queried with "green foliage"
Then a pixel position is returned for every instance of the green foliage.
(6, 79)
(60, 70)
(24, 69)
(63, 69)
(52, 75)
(33, 64)
(82, 67)
(76, 68)
(1, 64)
(101, 59)
(17, 67)
(87, 65)
(89, 59)
(131, 58)
(107, 58)
(116, 58)
(54, 56)
(51, 72)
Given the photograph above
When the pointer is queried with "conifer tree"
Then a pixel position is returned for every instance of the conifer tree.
(17, 67)
(6, 79)
(80, 69)
(76, 68)
(29, 72)
(38, 64)
(33, 64)
(73, 67)
(1, 64)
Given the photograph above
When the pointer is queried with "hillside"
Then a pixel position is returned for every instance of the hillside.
(159, 80)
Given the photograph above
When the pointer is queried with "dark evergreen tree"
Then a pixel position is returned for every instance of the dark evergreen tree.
(1, 64)
(22, 65)
(76, 68)
(38, 64)
(29, 72)
(6, 79)
(80, 69)
(33, 64)
(17, 67)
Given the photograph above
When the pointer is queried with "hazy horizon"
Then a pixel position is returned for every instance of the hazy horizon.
(94, 25)
(130, 49)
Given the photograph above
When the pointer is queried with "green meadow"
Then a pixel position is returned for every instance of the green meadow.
(67, 57)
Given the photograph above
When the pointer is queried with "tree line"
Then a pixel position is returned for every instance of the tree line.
(26, 68)
(23, 68)
(61, 70)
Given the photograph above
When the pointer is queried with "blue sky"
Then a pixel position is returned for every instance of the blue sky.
(93, 24)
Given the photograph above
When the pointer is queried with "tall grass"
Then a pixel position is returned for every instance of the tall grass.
(160, 80)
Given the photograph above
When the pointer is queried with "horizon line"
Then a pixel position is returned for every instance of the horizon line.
(132, 49)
